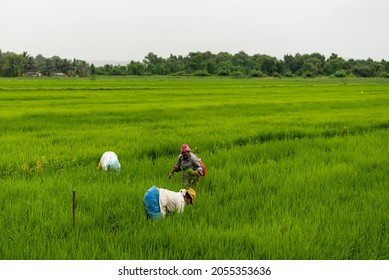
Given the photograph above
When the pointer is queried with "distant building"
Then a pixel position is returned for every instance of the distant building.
(32, 73)
(58, 74)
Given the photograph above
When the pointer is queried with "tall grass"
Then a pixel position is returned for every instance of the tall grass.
(297, 169)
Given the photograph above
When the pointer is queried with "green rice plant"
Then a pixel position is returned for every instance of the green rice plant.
(296, 169)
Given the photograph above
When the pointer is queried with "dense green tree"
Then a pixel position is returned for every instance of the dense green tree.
(81, 68)
(119, 70)
(311, 67)
(223, 57)
(154, 64)
(29, 63)
(13, 65)
(48, 68)
(224, 68)
(3, 61)
(333, 65)
(199, 64)
(363, 70)
(268, 64)
(383, 69)
(195, 61)
(40, 61)
(174, 64)
(210, 66)
(67, 67)
(93, 69)
(294, 64)
(242, 63)
(135, 68)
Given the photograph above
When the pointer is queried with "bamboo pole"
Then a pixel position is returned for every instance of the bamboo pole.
(74, 209)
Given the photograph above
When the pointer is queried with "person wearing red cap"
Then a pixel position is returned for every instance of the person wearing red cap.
(189, 166)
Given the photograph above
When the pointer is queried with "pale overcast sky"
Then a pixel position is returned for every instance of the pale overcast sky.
(124, 30)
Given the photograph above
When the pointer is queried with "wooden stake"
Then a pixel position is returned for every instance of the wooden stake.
(74, 208)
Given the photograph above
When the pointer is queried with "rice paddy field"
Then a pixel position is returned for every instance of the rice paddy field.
(297, 169)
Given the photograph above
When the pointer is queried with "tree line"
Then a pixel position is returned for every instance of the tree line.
(19, 65)
(198, 64)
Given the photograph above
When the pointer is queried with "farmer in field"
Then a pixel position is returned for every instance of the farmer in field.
(189, 166)
(159, 202)
(109, 162)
